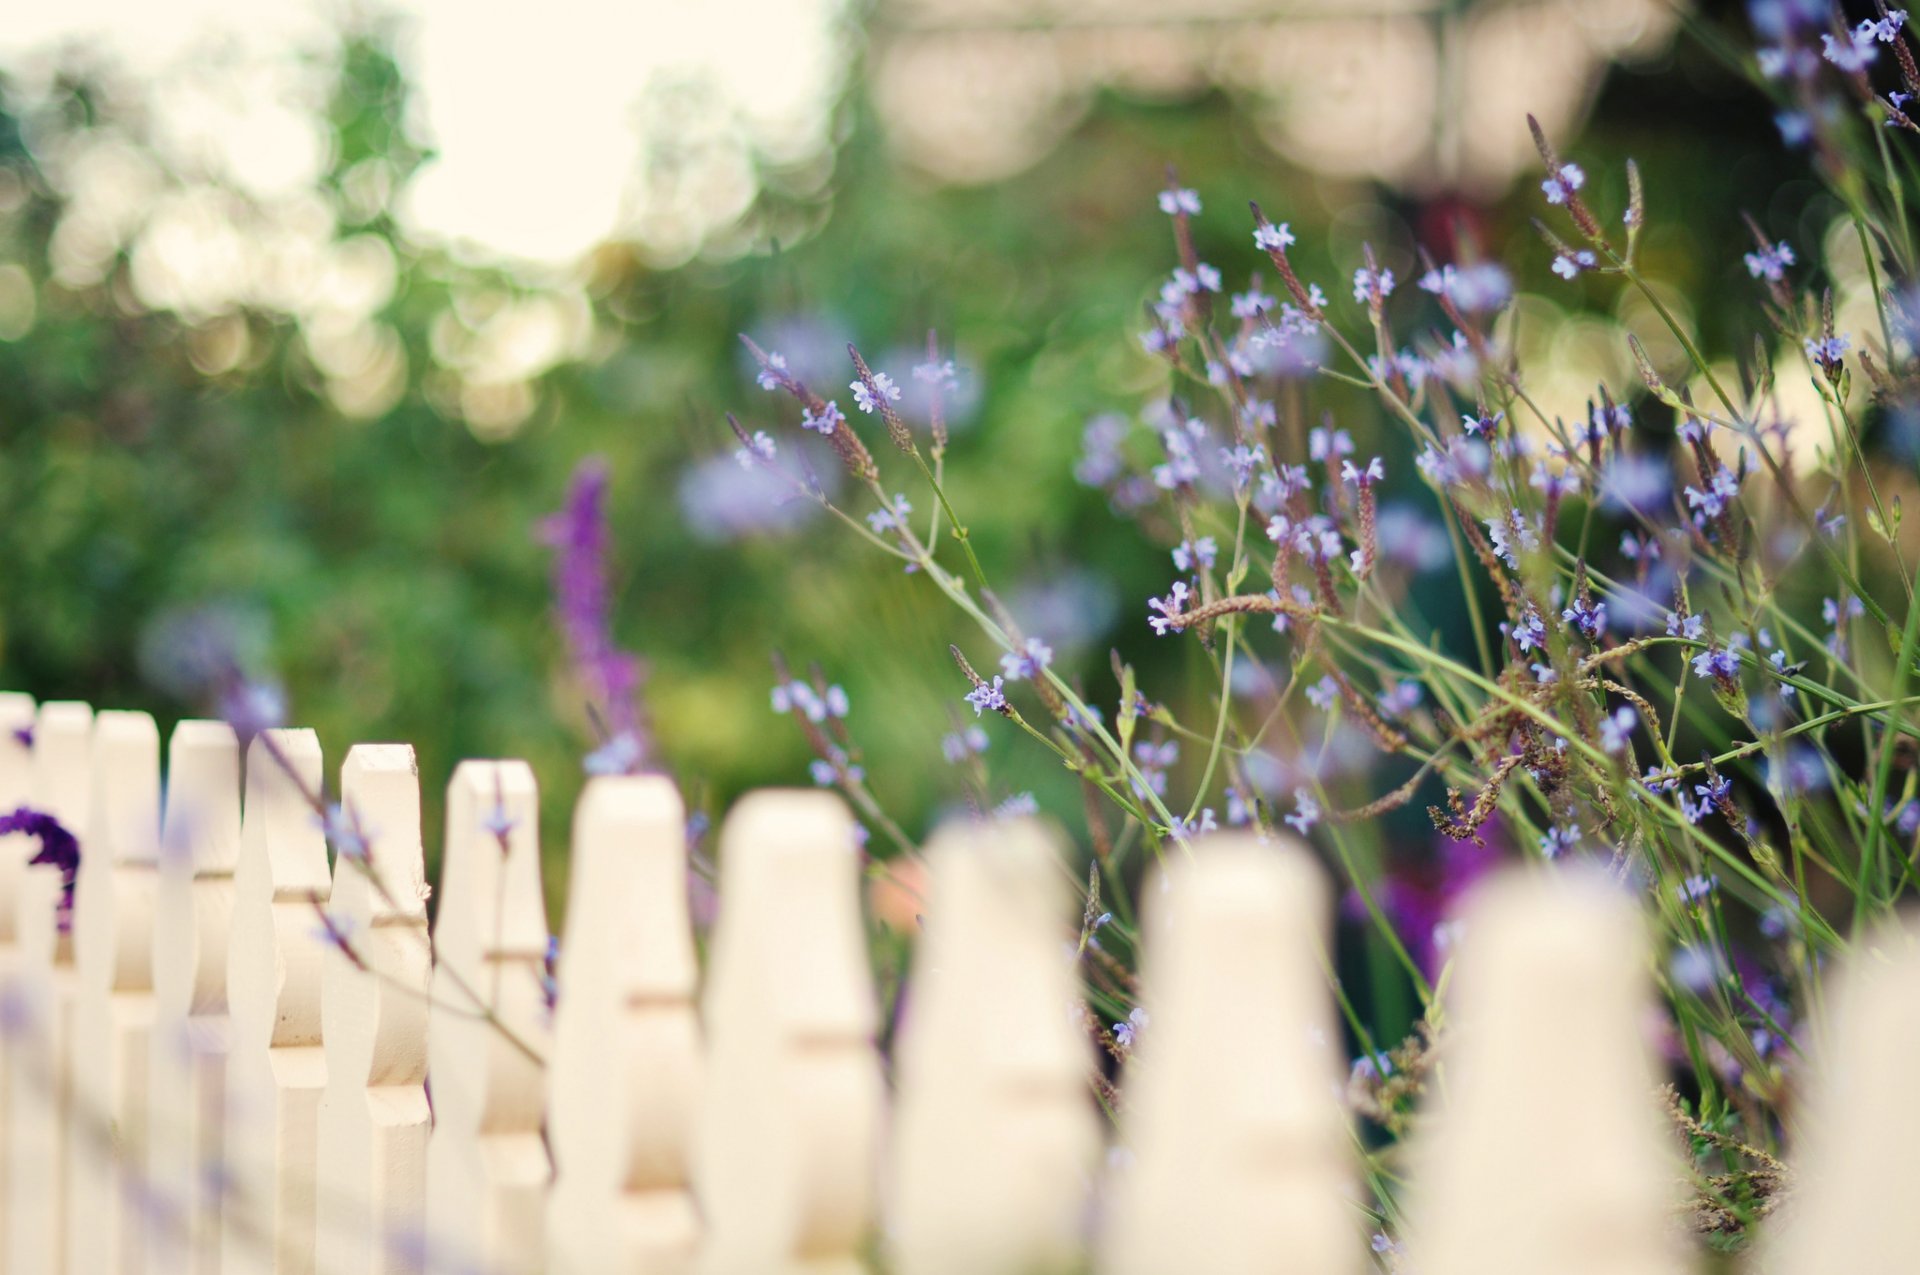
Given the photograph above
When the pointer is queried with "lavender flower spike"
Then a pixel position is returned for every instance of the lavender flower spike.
(583, 608)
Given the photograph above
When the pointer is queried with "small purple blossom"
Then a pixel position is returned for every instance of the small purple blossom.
(1510, 535)
(583, 604)
(1201, 553)
(1375, 471)
(1589, 619)
(1770, 263)
(773, 372)
(1306, 811)
(1175, 200)
(1717, 663)
(1569, 264)
(1697, 888)
(1371, 286)
(1560, 186)
(1531, 632)
(957, 746)
(1323, 692)
(1827, 351)
(1559, 839)
(987, 696)
(1028, 661)
(869, 399)
(1616, 728)
(759, 446)
(58, 848)
(1273, 237)
(825, 421)
(1175, 603)
(1125, 1033)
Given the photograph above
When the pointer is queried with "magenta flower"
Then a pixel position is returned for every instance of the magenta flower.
(583, 608)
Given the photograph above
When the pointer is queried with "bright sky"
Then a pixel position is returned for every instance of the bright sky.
(532, 107)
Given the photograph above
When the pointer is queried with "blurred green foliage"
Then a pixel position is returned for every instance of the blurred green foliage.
(383, 569)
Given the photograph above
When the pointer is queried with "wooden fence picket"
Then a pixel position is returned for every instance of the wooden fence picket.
(995, 1137)
(16, 790)
(110, 1199)
(200, 848)
(1547, 1032)
(42, 1088)
(1854, 1169)
(374, 1118)
(276, 1068)
(791, 1113)
(487, 1166)
(219, 1059)
(624, 1079)
(1240, 1158)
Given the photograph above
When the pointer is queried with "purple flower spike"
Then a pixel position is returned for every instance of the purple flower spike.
(58, 847)
(583, 607)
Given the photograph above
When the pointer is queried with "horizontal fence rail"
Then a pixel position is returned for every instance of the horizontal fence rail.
(235, 1052)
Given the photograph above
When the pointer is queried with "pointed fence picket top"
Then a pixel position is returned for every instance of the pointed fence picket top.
(374, 1118)
(16, 790)
(995, 1135)
(275, 1067)
(487, 1166)
(1547, 1031)
(790, 1117)
(113, 921)
(199, 848)
(1237, 1153)
(1855, 1174)
(625, 1074)
(41, 1015)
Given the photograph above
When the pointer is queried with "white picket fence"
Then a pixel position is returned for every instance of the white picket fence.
(203, 1076)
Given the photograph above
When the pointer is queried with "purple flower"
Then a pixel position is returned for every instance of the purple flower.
(1176, 200)
(1028, 661)
(1770, 263)
(1559, 839)
(760, 445)
(1404, 696)
(1570, 263)
(583, 605)
(1306, 811)
(1697, 888)
(1184, 829)
(957, 746)
(894, 515)
(1716, 662)
(1827, 351)
(58, 848)
(1616, 728)
(1328, 445)
(1321, 694)
(1273, 238)
(1561, 185)
(1022, 805)
(1531, 632)
(1375, 471)
(824, 421)
(1510, 535)
(984, 697)
(1854, 52)
(1189, 552)
(1175, 603)
(869, 399)
(1589, 619)
(1690, 627)
(773, 373)
(23, 736)
(1125, 1033)
(1370, 286)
